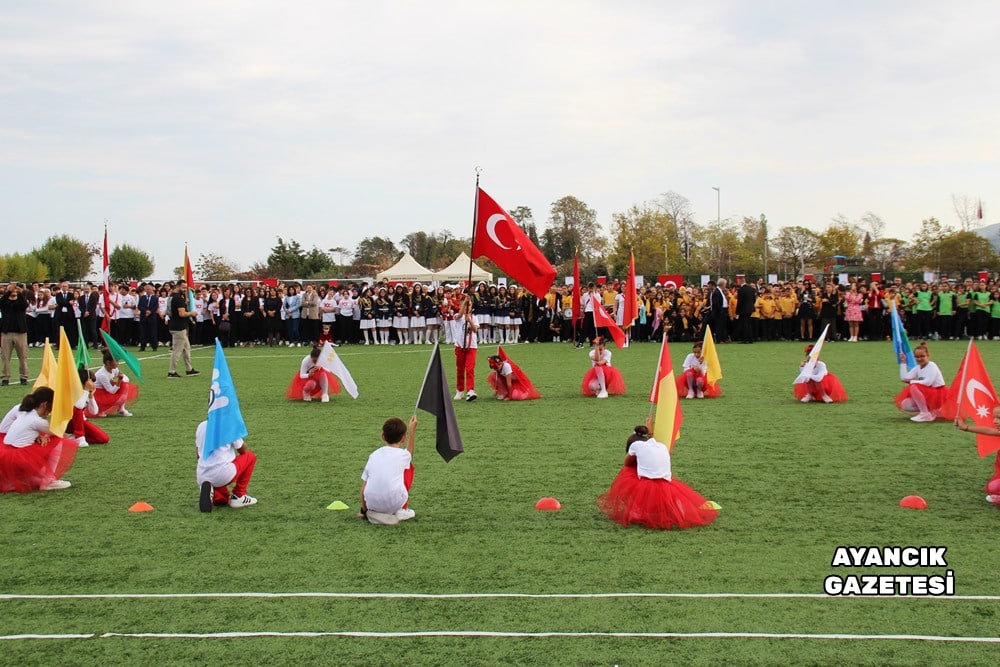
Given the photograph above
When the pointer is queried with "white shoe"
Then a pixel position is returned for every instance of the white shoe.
(405, 513)
(124, 413)
(993, 499)
(602, 394)
(459, 395)
(700, 394)
(325, 398)
(690, 393)
(806, 398)
(82, 442)
(237, 502)
(306, 396)
(827, 399)
(922, 417)
(471, 395)
(57, 485)
(298, 345)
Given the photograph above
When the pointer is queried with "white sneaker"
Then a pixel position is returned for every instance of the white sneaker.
(459, 395)
(602, 394)
(700, 394)
(237, 502)
(690, 394)
(82, 442)
(124, 413)
(57, 485)
(325, 398)
(995, 499)
(298, 345)
(922, 417)
(827, 399)
(405, 513)
(471, 395)
(306, 396)
(806, 398)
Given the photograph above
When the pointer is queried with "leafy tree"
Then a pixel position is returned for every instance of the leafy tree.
(678, 207)
(964, 252)
(213, 266)
(66, 257)
(22, 268)
(573, 225)
(842, 237)
(286, 259)
(887, 253)
(436, 250)
(797, 246)
(128, 263)
(650, 235)
(924, 248)
(526, 219)
(316, 264)
(375, 251)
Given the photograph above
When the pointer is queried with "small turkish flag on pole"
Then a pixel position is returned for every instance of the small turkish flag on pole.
(499, 237)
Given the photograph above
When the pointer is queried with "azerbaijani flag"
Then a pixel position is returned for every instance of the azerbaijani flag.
(664, 394)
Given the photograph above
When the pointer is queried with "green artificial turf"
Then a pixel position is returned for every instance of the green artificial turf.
(794, 481)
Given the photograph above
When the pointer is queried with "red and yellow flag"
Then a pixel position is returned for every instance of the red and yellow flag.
(664, 395)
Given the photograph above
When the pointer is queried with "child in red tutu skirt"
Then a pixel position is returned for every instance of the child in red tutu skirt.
(312, 380)
(508, 381)
(113, 391)
(816, 383)
(31, 457)
(85, 431)
(993, 485)
(926, 396)
(602, 378)
(645, 493)
(693, 383)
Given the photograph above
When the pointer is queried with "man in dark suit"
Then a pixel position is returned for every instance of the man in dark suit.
(746, 303)
(88, 315)
(148, 305)
(65, 315)
(718, 302)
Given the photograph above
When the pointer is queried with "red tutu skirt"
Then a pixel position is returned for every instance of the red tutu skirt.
(939, 399)
(109, 404)
(830, 385)
(993, 485)
(654, 503)
(26, 469)
(710, 390)
(519, 391)
(299, 385)
(612, 380)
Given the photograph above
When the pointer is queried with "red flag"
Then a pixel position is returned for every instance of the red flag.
(976, 397)
(188, 274)
(670, 280)
(499, 237)
(979, 211)
(664, 395)
(577, 297)
(109, 308)
(631, 300)
(602, 319)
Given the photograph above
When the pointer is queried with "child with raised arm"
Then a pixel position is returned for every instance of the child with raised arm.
(926, 396)
(993, 485)
(388, 475)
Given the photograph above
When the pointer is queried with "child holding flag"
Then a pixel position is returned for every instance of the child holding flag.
(817, 383)
(388, 475)
(113, 391)
(312, 380)
(693, 381)
(32, 458)
(926, 396)
(508, 381)
(602, 379)
(645, 492)
(232, 463)
(84, 430)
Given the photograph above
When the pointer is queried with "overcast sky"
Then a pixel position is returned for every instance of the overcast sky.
(226, 124)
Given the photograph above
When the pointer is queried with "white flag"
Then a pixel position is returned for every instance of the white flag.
(330, 360)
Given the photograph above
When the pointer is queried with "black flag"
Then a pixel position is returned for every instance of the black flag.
(435, 398)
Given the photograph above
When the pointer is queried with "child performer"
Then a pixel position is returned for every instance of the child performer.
(819, 385)
(388, 476)
(84, 430)
(233, 464)
(645, 493)
(926, 394)
(508, 381)
(31, 458)
(993, 485)
(312, 380)
(113, 391)
(693, 380)
(464, 328)
(602, 378)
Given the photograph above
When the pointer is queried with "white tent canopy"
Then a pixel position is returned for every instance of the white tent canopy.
(406, 268)
(459, 270)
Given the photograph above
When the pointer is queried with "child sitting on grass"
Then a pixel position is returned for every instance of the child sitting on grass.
(388, 475)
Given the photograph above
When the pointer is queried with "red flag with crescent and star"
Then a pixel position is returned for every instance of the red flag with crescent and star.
(976, 398)
(499, 237)
(109, 306)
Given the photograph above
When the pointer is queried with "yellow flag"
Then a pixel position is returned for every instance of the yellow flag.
(48, 367)
(66, 387)
(714, 371)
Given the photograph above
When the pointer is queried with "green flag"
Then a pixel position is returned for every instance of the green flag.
(122, 356)
(82, 352)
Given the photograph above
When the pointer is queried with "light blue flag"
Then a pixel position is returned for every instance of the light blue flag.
(225, 421)
(900, 343)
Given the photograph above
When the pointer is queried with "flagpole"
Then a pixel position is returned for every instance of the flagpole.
(426, 373)
(961, 386)
(475, 219)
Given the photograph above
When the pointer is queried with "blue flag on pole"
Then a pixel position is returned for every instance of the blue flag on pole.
(225, 421)
(900, 343)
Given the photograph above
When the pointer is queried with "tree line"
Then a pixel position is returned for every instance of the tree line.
(661, 233)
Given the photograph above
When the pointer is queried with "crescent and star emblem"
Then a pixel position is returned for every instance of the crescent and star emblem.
(491, 230)
(970, 392)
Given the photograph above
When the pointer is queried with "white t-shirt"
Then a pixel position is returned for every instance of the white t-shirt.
(103, 378)
(86, 403)
(459, 331)
(691, 361)
(328, 307)
(10, 418)
(219, 469)
(606, 356)
(26, 429)
(505, 369)
(929, 375)
(653, 459)
(307, 365)
(384, 491)
(619, 309)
